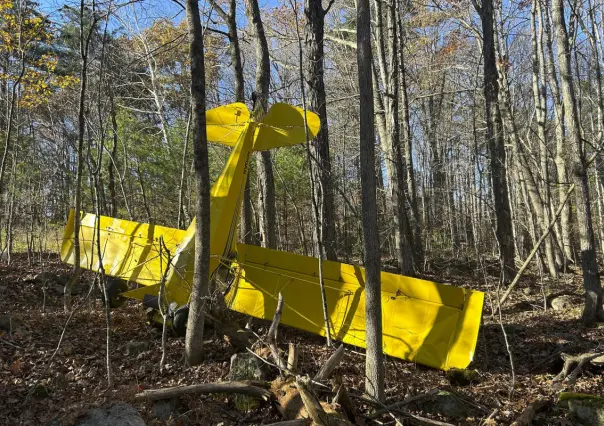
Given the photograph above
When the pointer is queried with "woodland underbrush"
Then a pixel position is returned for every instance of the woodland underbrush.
(518, 357)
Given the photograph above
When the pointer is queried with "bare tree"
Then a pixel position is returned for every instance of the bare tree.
(230, 18)
(267, 209)
(374, 364)
(195, 323)
(315, 30)
(85, 38)
(593, 310)
(495, 143)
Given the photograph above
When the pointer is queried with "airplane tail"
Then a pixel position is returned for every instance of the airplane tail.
(282, 125)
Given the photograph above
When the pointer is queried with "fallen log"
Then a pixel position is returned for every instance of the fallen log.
(249, 388)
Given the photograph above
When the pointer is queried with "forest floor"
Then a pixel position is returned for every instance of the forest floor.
(73, 380)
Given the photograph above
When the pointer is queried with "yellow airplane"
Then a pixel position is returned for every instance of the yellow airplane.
(425, 322)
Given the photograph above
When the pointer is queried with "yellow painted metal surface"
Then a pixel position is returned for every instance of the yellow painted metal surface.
(429, 323)
(425, 322)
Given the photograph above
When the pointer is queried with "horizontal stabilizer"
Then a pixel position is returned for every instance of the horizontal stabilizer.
(282, 125)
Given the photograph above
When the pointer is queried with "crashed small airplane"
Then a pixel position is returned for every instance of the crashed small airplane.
(425, 322)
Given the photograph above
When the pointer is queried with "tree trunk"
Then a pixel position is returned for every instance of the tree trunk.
(564, 235)
(496, 149)
(418, 248)
(374, 365)
(267, 209)
(525, 172)
(389, 72)
(195, 324)
(321, 166)
(246, 230)
(592, 311)
(84, 44)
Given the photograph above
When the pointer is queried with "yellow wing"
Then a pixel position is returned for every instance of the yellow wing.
(425, 322)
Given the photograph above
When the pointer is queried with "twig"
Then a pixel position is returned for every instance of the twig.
(403, 403)
(161, 296)
(10, 344)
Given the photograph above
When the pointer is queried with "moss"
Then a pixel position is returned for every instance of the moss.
(566, 396)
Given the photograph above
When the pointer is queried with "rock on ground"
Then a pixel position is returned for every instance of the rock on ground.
(562, 303)
(586, 409)
(245, 366)
(446, 404)
(114, 415)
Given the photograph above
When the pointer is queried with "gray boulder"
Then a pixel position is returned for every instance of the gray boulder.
(115, 415)
(245, 366)
(446, 404)
(586, 409)
(562, 303)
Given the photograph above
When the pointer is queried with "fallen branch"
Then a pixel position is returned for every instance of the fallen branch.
(313, 407)
(272, 334)
(298, 422)
(343, 399)
(580, 360)
(536, 247)
(330, 365)
(249, 388)
(526, 417)
(400, 404)
(292, 358)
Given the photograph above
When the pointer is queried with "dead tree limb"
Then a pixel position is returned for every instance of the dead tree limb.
(537, 246)
(526, 417)
(272, 334)
(330, 365)
(407, 401)
(249, 388)
(292, 358)
(580, 361)
(163, 310)
(311, 403)
(343, 399)
(298, 422)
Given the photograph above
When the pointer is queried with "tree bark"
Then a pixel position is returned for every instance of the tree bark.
(495, 144)
(267, 210)
(321, 166)
(564, 235)
(84, 48)
(246, 230)
(195, 324)
(418, 247)
(592, 310)
(374, 366)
